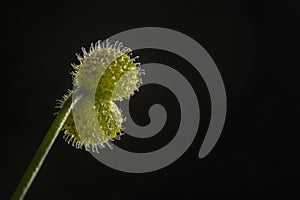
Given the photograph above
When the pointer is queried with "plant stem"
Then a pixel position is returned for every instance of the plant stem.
(43, 150)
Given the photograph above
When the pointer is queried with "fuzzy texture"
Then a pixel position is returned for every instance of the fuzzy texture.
(109, 70)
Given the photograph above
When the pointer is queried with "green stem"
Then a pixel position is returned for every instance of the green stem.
(43, 150)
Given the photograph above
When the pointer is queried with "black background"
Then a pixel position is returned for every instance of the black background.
(256, 48)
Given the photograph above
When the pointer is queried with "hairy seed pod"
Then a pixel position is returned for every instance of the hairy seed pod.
(118, 80)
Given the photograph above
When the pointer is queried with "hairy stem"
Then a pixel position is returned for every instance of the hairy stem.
(43, 150)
